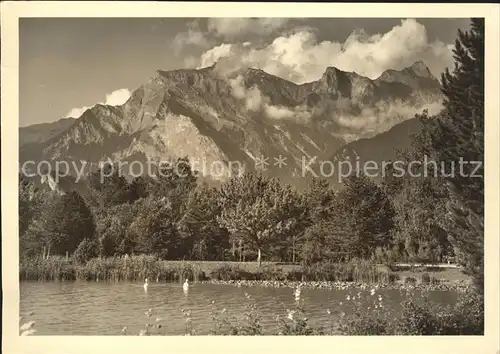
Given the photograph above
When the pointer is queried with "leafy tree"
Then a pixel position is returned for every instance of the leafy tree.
(110, 185)
(63, 224)
(259, 210)
(30, 201)
(86, 250)
(154, 229)
(242, 189)
(292, 213)
(253, 221)
(139, 187)
(419, 195)
(199, 228)
(113, 230)
(318, 243)
(320, 198)
(174, 180)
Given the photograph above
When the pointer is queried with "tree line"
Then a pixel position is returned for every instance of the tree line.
(254, 217)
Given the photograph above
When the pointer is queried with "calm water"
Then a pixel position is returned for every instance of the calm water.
(105, 308)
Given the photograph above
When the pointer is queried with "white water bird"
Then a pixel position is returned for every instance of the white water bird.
(29, 332)
(297, 293)
(27, 326)
(146, 284)
(185, 286)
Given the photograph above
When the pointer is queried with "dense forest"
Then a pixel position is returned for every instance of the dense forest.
(252, 217)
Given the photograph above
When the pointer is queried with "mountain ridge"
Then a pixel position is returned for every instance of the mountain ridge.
(240, 116)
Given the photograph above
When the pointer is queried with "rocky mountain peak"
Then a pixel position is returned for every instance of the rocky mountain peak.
(420, 69)
(412, 75)
(334, 82)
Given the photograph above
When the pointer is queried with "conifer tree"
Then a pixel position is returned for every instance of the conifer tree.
(363, 217)
(458, 135)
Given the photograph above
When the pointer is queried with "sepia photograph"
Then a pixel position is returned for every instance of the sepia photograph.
(251, 176)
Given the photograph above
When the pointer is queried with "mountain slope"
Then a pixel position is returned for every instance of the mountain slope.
(224, 120)
(380, 148)
(39, 133)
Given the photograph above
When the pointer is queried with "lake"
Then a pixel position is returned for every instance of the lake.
(103, 308)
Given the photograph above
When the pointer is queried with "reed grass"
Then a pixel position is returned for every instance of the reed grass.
(137, 268)
(353, 271)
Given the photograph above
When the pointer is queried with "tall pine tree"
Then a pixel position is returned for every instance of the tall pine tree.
(363, 218)
(458, 135)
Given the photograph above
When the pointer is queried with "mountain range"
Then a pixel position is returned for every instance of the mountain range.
(216, 117)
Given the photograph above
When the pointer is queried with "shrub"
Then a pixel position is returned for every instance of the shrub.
(425, 278)
(469, 313)
(86, 250)
(435, 281)
(393, 277)
(228, 272)
(298, 327)
(365, 325)
(271, 272)
(466, 317)
(295, 275)
(410, 280)
(417, 319)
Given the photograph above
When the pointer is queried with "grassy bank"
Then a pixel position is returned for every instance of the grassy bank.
(137, 268)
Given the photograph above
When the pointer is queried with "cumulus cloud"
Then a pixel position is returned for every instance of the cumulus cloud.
(193, 36)
(368, 122)
(216, 53)
(231, 28)
(299, 113)
(254, 100)
(300, 57)
(351, 126)
(115, 98)
(77, 112)
(118, 97)
(226, 29)
(383, 116)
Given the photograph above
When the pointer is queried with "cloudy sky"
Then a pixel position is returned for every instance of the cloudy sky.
(69, 64)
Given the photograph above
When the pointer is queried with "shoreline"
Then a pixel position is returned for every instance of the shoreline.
(339, 285)
(329, 276)
(458, 285)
